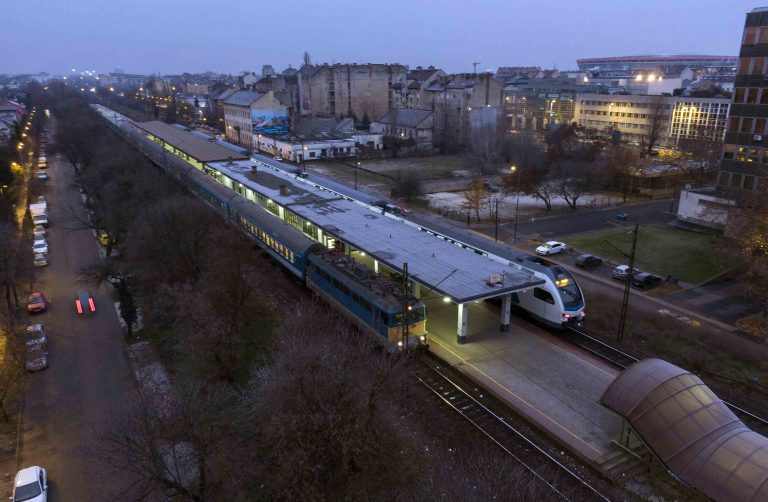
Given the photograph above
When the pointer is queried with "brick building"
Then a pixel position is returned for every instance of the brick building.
(348, 90)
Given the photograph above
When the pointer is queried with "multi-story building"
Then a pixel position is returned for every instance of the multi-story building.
(540, 102)
(633, 64)
(411, 93)
(637, 118)
(348, 90)
(745, 153)
(407, 124)
(248, 113)
(462, 102)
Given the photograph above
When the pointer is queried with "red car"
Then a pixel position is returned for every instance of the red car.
(84, 302)
(36, 303)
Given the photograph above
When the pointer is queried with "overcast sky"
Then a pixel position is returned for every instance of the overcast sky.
(149, 36)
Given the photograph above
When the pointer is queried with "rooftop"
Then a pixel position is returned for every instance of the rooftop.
(199, 148)
(405, 117)
(445, 268)
(242, 98)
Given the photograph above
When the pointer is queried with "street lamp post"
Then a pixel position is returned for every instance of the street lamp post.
(517, 203)
(304, 157)
(357, 165)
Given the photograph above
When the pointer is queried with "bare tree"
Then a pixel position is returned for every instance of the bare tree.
(704, 148)
(328, 404)
(408, 184)
(657, 119)
(12, 369)
(184, 452)
(618, 168)
(307, 59)
(475, 199)
(12, 260)
(572, 181)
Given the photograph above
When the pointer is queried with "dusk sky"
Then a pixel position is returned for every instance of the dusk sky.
(150, 36)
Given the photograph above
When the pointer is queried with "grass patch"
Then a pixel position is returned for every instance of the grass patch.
(689, 256)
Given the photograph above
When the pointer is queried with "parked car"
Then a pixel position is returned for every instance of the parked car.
(622, 272)
(300, 174)
(491, 187)
(40, 260)
(278, 158)
(30, 484)
(645, 280)
(36, 335)
(41, 175)
(42, 199)
(40, 219)
(588, 260)
(35, 359)
(551, 247)
(84, 302)
(388, 208)
(40, 245)
(36, 302)
(39, 231)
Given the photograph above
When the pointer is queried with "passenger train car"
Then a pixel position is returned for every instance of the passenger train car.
(372, 303)
(557, 303)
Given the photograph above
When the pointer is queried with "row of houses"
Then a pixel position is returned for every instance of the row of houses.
(11, 116)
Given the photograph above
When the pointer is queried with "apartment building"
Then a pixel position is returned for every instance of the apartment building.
(411, 93)
(670, 118)
(348, 90)
(745, 153)
(248, 113)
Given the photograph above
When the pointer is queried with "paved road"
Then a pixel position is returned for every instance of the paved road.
(67, 404)
(648, 213)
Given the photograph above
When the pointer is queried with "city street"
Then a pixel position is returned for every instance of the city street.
(66, 405)
(654, 212)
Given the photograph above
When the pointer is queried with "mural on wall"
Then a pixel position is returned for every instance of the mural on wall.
(270, 121)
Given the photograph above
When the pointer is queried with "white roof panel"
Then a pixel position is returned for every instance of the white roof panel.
(446, 268)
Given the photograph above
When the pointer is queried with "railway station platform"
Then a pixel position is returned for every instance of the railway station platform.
(553, 384)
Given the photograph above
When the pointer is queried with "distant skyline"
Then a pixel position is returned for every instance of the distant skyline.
(146, 36)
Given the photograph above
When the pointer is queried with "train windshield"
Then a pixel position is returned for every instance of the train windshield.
(417, 313)
(570, 293)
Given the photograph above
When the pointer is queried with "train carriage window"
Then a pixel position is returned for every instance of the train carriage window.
(355, 298)
(543, 295)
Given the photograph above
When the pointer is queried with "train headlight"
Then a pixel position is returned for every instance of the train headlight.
(422, 338)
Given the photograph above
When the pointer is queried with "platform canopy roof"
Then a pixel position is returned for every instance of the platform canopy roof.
(196, 147)
(443, 267)
(695, 435)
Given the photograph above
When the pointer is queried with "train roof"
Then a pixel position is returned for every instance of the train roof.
(449, 270)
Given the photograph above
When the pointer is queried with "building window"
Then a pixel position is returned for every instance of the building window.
(752, 96)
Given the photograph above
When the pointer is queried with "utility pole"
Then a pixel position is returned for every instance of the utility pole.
(625, 300)
(405, 305)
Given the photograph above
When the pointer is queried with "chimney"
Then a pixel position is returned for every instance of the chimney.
(282, 189)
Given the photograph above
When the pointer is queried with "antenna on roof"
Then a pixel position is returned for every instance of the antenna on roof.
(474, 68)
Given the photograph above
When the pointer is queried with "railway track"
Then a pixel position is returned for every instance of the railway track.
(622, 360)
(523, 449)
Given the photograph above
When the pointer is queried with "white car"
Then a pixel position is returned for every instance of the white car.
(40, 260)
(40, 246)
(40, 219)
(41, 175)
(551, 247)
(39, 231)
(41, 199)
(36, 335)
(30, 484)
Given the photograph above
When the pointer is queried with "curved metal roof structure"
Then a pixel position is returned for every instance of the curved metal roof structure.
(691, 431)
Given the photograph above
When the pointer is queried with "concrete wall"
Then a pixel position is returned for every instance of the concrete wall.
(341, 89)
(703, 208)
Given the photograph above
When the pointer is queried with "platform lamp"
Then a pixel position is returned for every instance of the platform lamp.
(513, 169)
(357, 166)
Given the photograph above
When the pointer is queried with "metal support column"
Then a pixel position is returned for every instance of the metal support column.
(461, 327)
(506, 309)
